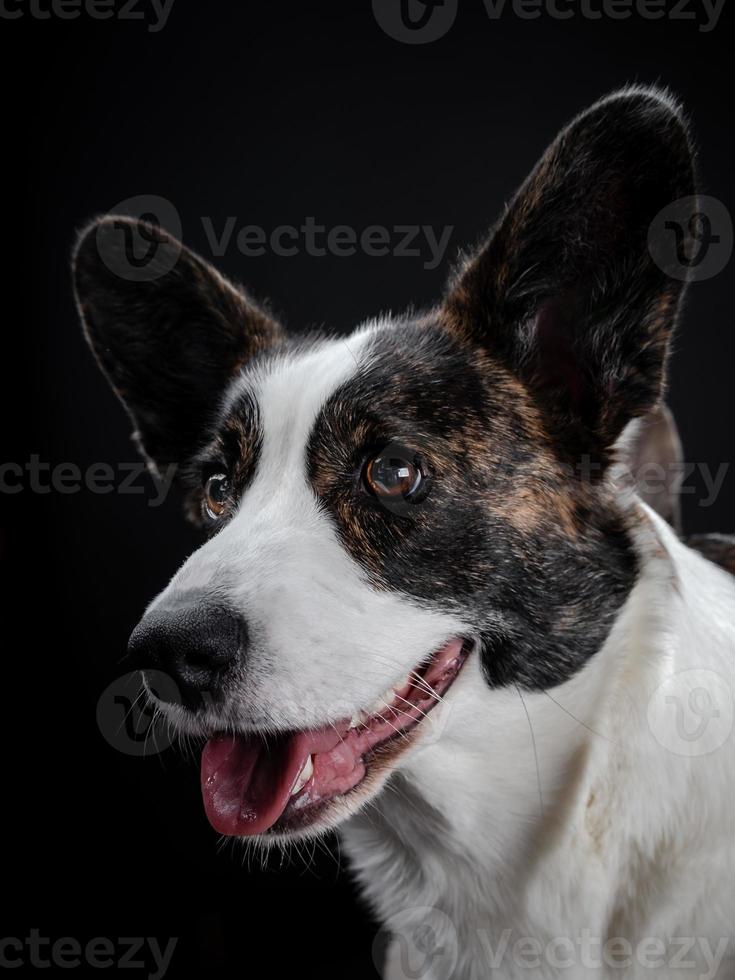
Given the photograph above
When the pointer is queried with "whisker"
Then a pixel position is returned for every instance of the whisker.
(137, 698)
(535, 752)
(578, 720)
(422, 683)
(396, 730)
(424, 714)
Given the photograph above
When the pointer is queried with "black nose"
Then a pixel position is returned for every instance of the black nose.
(194, 645)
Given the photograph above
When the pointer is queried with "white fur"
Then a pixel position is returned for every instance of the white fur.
(626, 840)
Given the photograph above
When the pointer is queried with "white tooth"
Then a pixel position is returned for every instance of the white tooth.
(304, 776)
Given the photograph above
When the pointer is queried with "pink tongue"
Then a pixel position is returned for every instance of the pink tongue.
(247, 782)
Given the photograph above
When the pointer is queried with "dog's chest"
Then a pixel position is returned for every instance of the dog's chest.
(442, 917)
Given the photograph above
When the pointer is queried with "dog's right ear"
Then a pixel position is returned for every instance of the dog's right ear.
(168, 331)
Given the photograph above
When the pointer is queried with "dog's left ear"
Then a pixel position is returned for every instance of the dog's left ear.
(656, 463)
(565, 292)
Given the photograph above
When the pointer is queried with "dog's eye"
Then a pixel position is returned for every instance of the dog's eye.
(216, 495)
(393, 476)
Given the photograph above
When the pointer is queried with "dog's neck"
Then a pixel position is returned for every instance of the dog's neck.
(532, 806)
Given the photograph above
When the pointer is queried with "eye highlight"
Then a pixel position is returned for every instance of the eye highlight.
(216, 495)
(396, 474)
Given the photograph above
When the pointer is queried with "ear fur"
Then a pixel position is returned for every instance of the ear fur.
(169, 340)
(656, 463)
(565, 291)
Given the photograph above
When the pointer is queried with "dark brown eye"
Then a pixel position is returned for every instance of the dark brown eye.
(216, 495)
(394, 477)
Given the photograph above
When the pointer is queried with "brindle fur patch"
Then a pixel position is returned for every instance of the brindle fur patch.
(234, 450)
(536, 557)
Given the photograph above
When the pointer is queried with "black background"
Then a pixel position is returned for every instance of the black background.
(270, 113)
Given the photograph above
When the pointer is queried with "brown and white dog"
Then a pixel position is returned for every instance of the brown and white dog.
(429, 611)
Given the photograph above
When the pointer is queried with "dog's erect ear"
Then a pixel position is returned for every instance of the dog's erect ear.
(168, 331)
(565, 292)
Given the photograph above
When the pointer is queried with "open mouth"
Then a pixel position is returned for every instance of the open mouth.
(253, 784)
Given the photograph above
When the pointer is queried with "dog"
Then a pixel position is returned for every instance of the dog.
(431, 609)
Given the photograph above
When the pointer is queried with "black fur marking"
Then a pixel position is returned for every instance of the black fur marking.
(562, 323)
(538, 561)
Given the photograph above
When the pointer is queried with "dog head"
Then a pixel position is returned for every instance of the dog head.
(384, 507)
